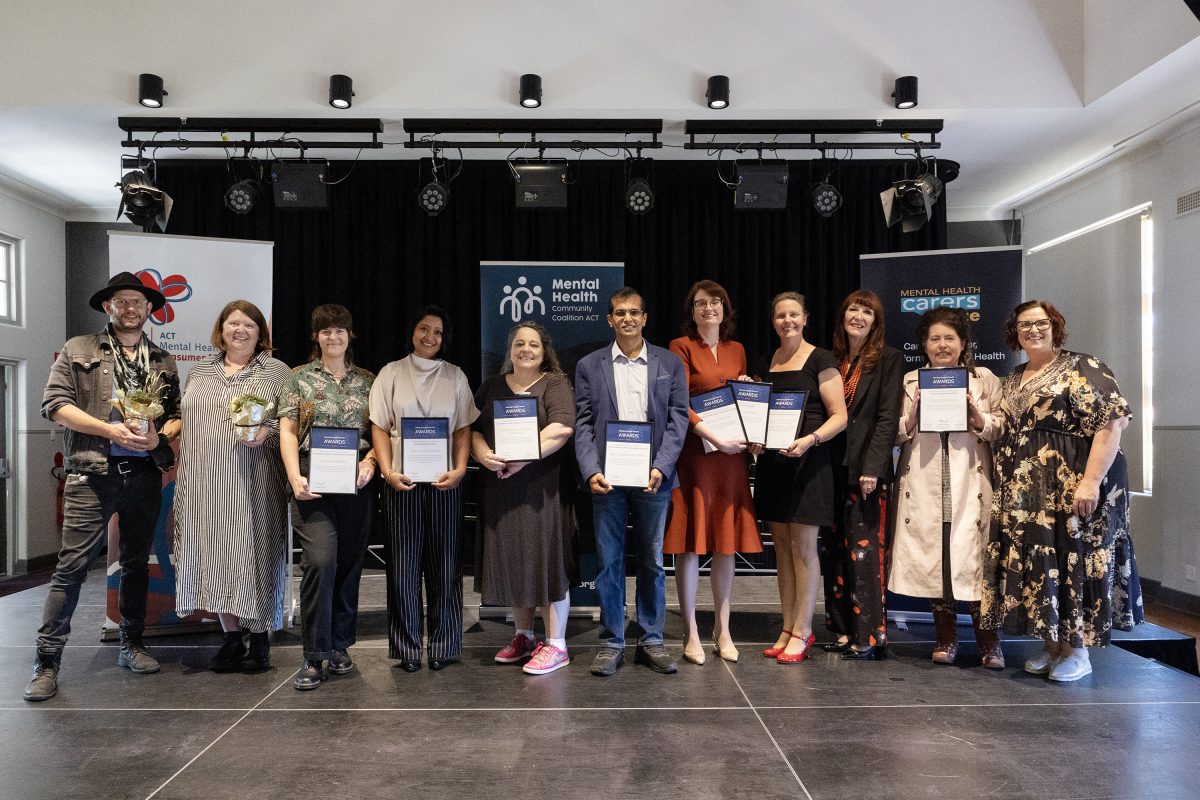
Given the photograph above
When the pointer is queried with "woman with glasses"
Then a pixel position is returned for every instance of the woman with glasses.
(712, 511)
(1059, 562)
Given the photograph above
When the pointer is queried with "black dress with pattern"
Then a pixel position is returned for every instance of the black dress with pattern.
(1046, 572)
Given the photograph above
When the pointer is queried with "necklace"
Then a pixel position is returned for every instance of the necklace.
(852, 368)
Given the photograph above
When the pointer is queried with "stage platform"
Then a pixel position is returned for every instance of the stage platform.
(824, 729)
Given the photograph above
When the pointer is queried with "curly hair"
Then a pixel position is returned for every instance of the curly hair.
(956, 320)
(550, 361)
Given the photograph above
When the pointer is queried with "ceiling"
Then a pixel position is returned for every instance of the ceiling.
(1030, 90)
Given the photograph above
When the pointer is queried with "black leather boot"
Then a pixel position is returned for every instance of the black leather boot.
(259, 656)
(230, 656)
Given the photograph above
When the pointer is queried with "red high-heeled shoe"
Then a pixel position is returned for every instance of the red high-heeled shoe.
(772, 652)
(784, 658)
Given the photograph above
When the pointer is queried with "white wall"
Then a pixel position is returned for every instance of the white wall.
(33, 346)
(1166, 527)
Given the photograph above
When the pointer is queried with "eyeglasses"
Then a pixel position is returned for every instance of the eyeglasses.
(119, 302)
(700, 305)
(632, 313)
(1033, 324)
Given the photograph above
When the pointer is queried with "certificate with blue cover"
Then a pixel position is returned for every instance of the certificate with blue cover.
(424, 448)
(515, 424)
(784, 417)
(753, 402)
(943, 399)
(627, 456)
(333, 460)
(718, 410)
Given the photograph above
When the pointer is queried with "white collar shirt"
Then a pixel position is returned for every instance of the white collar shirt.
(631, 376)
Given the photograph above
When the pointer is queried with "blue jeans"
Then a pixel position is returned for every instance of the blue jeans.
(649, 520)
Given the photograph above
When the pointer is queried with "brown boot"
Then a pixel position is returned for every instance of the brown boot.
(944, 620)
(990, 654)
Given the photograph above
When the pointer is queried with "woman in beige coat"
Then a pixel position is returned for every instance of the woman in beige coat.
(944, 492)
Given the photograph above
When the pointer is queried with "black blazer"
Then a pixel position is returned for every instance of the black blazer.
(874, 417)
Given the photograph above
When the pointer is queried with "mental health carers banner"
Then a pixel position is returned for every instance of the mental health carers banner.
(198, 276)
(984, 282)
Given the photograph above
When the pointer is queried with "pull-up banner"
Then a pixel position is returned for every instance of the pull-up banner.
(198, 276)
(985, 282)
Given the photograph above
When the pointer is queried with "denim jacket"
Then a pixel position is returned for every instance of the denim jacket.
(82, 376)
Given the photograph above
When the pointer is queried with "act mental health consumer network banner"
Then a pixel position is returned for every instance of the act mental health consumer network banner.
(198, 276)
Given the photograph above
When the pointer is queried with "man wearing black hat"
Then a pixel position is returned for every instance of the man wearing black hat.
(112, 468)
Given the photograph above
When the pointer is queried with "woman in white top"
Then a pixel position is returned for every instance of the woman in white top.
(944, 492)
(423, 517)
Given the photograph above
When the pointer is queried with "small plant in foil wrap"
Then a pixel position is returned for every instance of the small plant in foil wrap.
(248, 412)
(143, 404)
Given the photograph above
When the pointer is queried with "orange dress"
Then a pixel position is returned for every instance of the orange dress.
(712, 510)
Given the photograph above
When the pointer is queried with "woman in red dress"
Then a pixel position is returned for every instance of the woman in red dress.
(712, 511)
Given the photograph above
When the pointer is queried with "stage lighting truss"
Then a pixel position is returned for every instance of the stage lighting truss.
(639, 194)
(435, 195)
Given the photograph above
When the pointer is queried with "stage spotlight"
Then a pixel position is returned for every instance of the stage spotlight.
(639, 197)
(150, 90)
(531, 90)
(826, 199)
(241, 196)
(910, 202)
(341, 90)
(142, 202)
(718, 91)
(434, 197)
(906, 92)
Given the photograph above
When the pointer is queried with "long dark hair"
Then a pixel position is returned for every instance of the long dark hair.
(872, 349)
(431, 311)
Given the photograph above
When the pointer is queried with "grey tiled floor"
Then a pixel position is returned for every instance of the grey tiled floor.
(903, 728)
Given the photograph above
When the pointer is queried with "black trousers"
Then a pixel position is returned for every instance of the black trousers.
(333, 534)
(852, 556)
(132, 489)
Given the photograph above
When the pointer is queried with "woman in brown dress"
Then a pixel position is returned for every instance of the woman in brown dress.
(711, 509)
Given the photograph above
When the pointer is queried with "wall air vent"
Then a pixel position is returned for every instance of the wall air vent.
(1187, 202)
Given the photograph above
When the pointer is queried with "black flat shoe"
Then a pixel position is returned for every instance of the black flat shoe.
(441, 663)
(877, 653)
(410, 666)
(836, 647)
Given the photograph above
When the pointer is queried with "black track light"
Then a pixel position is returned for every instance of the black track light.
(718, 91)
(434, 197)
(531, 90)
(826, 199)
(905, 94)
(241, 196)
(150, 90)
(143, 202)
(341, 90)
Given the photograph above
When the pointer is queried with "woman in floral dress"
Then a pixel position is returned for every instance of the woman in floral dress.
(1059, 562)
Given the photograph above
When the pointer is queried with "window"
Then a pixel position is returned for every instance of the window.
(10, 295)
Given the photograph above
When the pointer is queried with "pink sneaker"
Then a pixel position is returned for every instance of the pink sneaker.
(546, 658)
(518, 649)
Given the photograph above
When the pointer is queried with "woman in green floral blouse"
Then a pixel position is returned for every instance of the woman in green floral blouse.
(329, 391)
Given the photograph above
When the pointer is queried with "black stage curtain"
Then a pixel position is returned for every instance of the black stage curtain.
(376, 252)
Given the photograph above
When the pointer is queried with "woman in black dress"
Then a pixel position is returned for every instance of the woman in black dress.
(794, 486)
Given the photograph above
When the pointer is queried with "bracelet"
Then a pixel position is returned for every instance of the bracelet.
(372, 459)
(816, 438)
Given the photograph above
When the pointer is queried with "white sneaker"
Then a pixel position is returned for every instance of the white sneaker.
(1071, 668)
(1040, 664)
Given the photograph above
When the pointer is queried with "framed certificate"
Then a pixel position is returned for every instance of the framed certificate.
(333, 460)
(424, 448)
(753, 403)
(516, 429)
(627, 456)
(943, 399)
(719, 411)
(784, 416)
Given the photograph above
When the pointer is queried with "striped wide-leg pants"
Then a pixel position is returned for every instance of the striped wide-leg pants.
(424, 526)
